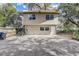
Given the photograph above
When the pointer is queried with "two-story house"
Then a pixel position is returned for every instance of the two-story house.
(40, 22)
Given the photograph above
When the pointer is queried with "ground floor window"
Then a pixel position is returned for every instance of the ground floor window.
(44, 28)
(41, 28)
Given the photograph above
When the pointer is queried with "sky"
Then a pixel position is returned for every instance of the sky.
(55, 4)
(21, 7)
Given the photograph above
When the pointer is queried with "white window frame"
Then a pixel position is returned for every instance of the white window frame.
(44, 28)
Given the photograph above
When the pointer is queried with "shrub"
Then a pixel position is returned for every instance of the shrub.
(76, 35)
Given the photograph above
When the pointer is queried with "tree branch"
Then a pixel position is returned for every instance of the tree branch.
(38, 6)
(45, 6)
(70, 19)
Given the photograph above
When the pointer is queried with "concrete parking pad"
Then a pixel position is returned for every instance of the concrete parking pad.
(33, 45)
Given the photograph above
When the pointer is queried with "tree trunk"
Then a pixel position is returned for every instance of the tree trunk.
(71, 20)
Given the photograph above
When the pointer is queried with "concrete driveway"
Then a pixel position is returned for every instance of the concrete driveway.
(30, 45)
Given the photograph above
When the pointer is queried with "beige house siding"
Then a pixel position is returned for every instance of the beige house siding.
(39, 18)
(53, 30)
(33, 26)
(35, 30)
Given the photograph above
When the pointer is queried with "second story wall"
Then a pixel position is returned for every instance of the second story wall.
(39, 19)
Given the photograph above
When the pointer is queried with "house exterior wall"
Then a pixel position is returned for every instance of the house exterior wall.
(53, 30)
(35, 30)
(39, 19)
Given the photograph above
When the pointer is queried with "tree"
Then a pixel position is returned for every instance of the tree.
(10, 17)
(15, 20)
(6, 10)
(70, 12)
(41, 6)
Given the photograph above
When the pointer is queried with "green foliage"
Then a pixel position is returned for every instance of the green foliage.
(70, 12)
(76, 35)
(2, 20)
(40, 6)
(68, 26)
(6, 10)
(70, 9)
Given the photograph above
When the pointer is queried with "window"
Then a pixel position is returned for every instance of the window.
(42, 28)
(32, 17)
(46, 28)
(49, 17)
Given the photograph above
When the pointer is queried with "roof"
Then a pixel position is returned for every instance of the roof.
(40, 12)
(51, 22)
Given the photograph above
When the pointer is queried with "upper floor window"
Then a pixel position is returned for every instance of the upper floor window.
(32, 17)
(49, 17)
